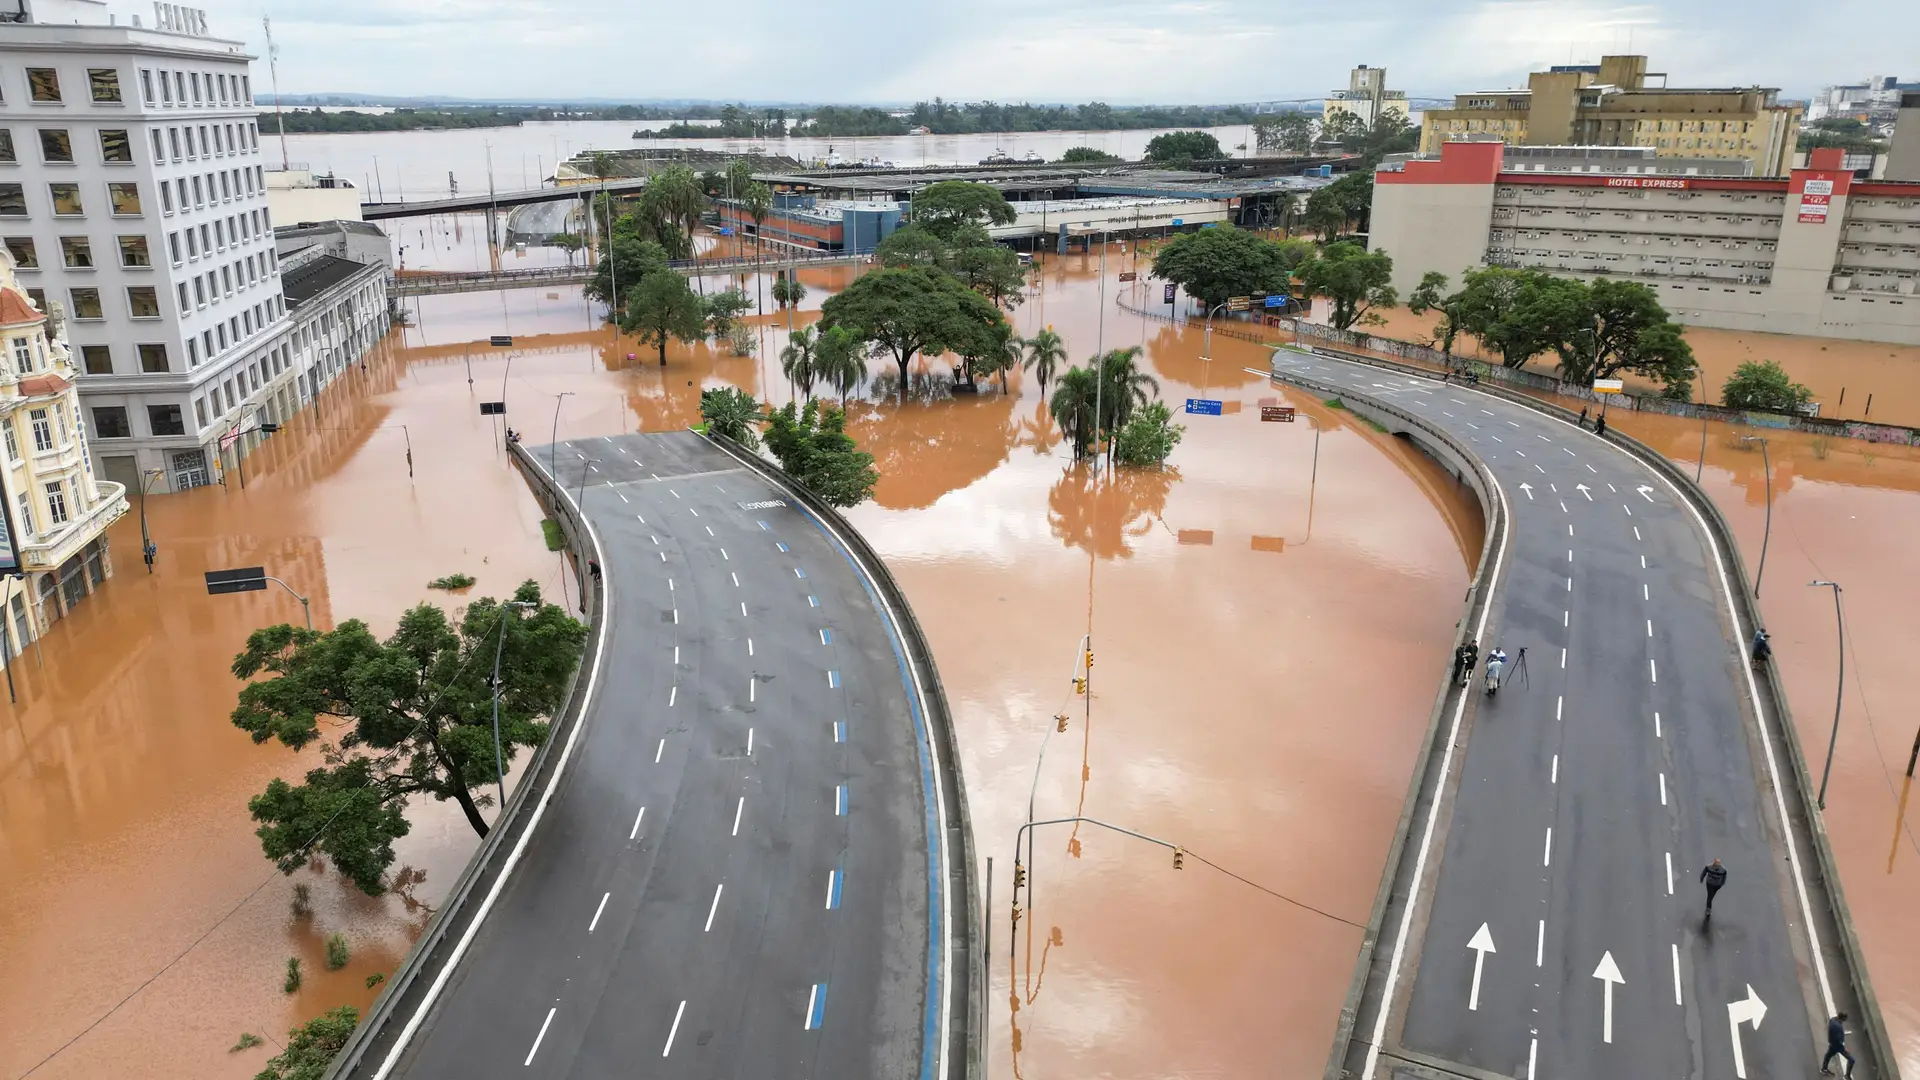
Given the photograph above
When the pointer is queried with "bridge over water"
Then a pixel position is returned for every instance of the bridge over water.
(427, 283)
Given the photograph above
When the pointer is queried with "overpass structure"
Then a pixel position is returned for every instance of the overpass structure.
(467, 204)
(427, 283)
(1541, 913)
(746, 862)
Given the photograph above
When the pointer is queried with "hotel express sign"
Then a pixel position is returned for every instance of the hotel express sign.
(179, 20)
(1672, 182)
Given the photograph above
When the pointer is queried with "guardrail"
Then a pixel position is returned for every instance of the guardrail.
(1804, 816)
(403, 996)
(960, 884)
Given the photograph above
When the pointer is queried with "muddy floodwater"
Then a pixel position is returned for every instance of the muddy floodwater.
(1269, 618)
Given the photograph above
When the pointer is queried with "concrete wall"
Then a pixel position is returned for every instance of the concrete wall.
(1903, 153)
(292, 205)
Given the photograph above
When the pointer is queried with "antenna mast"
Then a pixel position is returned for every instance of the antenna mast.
(273, 67)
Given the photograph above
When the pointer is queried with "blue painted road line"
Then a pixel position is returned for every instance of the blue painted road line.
(813, 601)
(833, 680)
(816, 1006)
(762, 524)
(826, 636)
(834, 880)
(839, 731)
(840, 801)
(782, 547)
(799, 573)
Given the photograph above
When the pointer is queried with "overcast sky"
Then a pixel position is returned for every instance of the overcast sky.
(1119, 51)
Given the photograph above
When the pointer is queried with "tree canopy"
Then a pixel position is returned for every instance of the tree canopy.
(1597, 329)
(1183, 147)
(625, 260)
(732, 412)
(312, 1046)
(1354, 279)
(1087, 155)
(944, 207)
(1214, 264)
(1287, 131)
(1763, 385)
(911, 311)
(663, 306)
(814, 448)
(1345, 204)
(407, 716)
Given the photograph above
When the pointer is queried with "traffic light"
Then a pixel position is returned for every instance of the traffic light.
(1060, 722)
(1089, 659)
(1016, 915)
(1179, 859)
(1019, 876)
(1079, 685)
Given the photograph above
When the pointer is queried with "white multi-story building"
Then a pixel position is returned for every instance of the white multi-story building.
(133, 201)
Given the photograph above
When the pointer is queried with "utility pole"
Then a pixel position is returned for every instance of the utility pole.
(273, 69)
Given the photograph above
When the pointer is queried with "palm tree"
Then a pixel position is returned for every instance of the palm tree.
(840, 358)
(800, 362)
(731, 412)
(600, 164)
(1073, 407)
(1045, 353)
(758, 203)
(1124, 387)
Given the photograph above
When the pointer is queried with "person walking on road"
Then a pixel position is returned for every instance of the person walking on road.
(1600, 425)
(1836, 1045)
(1715, 876)
(1762, 648)
(1496, 666)
(1464, 658)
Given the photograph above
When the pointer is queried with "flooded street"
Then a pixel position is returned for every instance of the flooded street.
(1269, 617)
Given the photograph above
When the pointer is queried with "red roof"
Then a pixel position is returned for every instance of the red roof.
(17, 310)
(42, 385)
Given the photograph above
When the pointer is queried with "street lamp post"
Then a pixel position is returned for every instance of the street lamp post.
(252, 579)
(147, 548)
(1840, 685)
(553, 440)
(499, 760)
(1206, 344)
(1767, 535)
(580, 500)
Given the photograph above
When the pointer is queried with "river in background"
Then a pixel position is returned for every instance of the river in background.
(392, 166)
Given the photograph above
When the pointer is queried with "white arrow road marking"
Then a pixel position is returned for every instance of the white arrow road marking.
(1582, 489)
(1643, 489)
(1528, 488)
(1752, 1010)
(1609, 973)
(1482, 944)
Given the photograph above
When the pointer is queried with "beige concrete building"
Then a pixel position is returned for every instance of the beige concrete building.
(56, 510)
(1903, 150)
(1816, 253)
(1367, 97)
(1611, 104)
(295, 195)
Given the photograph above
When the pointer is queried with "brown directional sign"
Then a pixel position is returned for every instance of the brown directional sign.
(244, 579)
(1282, 414)
(1238, 303)
(1127, 275)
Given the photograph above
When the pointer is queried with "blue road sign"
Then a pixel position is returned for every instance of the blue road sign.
(1203, 406)
(726, 231)
(1276, 301)
(1177, 222)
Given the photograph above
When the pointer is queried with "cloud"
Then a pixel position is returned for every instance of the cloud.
(1122, 51)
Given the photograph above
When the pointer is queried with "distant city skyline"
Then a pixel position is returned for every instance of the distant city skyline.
(1117, 51)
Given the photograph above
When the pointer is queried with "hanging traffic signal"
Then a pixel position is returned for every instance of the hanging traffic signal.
(1019, 876)
(1179, 859)
(1079, 685)
(1060, 722)
(1016, 915)
(1089, 659)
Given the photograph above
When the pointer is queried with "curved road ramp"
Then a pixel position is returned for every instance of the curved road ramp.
(1542, 913)
(749, 858)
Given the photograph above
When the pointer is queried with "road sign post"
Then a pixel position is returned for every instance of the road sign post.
(1276, 414)
(1203, 407)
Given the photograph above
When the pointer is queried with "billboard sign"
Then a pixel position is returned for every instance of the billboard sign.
(1608, 386)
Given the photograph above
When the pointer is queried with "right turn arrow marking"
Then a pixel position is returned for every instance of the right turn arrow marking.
(1482, 944)
(1748, 1010)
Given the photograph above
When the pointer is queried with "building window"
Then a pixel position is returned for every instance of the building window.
(66, 200)
(159, 146)
(143, 302)
(42, 430)
(166, 420)
(13, 200)
(200, 410)
(55, 146)
(23, 354)
(86, 303)
(43, 84)
(96, 359)
(180, 87)
(199, 198)
(105, 84)
(146, 85)
(6, 146)
(226, 190)
(173, 246)
(26, 501)
(56, 504)
(166, 198)
(246, 88)
(22, 250)
(153, 357)
(173, 142)
(76, 252)
(133, 251)
(194, 81)
(115, 146)
(110, 422)
(126, 199)
(199, 292)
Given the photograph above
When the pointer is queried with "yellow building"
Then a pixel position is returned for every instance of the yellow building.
(1611, 104)
(54, 552)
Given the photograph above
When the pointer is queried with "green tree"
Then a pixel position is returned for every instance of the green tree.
(625, 259)
(1045, 353)
(1086, 155)
(942, 208)
(673, 201)
(1183, 148)
(1073, 408)
(1343, 129)
(1764, 386)
(814, 448)
(1355, 279)
(663, 306)
(758, 203)
(1289, 132)
(787, 290)
(909, 246)
(840, 360)
(1149, 437)
(1498, 305)
(991, 270)
(1124, 387)
(799, 363)
(907, 312)
(312, 1046)
(571, 243)
(1630, 331)
(1214, 264)
(1431, 295)
(739, 177)
(732, 412)
(1346, 203)
(412, 715)
(723, 311)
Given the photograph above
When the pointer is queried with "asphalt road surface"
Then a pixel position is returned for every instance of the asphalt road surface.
(732, 878)
(1594, 788)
